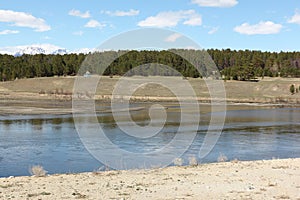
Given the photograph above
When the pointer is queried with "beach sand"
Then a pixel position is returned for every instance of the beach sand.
(271, 179)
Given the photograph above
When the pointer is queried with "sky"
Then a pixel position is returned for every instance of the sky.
(266, 25)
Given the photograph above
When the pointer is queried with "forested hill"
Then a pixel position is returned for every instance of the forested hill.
(239, 65)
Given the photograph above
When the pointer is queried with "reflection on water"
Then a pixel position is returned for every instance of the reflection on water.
(51, 140)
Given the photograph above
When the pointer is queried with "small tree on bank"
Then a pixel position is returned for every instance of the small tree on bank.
(292, 89)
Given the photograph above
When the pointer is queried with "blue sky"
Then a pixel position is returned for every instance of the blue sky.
(266, 25)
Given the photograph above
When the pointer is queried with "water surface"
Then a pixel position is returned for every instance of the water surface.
(250, 133)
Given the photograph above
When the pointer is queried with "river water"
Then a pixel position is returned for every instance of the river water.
(249, 133)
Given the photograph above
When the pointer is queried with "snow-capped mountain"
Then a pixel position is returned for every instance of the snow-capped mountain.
(60, 51)
(30, 50)
(42, 49)
(83, 50)
(33, 49)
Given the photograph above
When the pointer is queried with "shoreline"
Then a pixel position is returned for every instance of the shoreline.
(262, 179)
(16, 96)
(59, 107)
(53, 95)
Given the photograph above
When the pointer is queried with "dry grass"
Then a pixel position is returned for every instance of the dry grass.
(37, 171)
(193, 161)
(178, 161)
(270, 90)
(38, 194)
(222, 158)
(101, 169)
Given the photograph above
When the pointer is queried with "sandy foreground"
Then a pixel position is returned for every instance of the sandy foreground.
(272, 179)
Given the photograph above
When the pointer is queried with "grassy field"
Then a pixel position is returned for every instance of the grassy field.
(268, 90)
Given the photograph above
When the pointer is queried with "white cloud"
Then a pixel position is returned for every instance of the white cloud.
(22, 19)
(172, 19)
(173, 37)
(295, 19)
(77, 13)
(213, 30)
(195, 20)
(80, 33)
(6, 32)
(94, 24)
(262, 28)
(47, 38)
(215, 3)
(119, 13)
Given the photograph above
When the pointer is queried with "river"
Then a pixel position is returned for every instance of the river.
(249, 133)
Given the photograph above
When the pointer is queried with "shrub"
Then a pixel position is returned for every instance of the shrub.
(178, 161)
(42, 92)
(101, 169)
(193, 161)
(222, 158)
(292, 89)
(37, 171)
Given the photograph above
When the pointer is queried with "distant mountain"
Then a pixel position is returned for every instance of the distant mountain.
(83, 50)
(30, 50)
(33, 49)
(42, 49)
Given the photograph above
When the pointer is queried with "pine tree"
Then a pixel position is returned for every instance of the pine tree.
(292, 89)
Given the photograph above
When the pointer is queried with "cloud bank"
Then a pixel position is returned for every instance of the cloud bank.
(172, 19)
(262, 28)
(22, 19)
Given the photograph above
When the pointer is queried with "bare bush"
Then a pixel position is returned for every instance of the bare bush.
(193, 161)
(222, 158)
(42, 91)
(101, 169)
(178, 161)
(38, 171)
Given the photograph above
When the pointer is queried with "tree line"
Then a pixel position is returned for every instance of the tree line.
(233, 64)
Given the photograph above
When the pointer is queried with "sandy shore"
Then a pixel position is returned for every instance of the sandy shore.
(272, 179)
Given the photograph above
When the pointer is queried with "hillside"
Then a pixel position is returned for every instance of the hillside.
(268, 90)
(236, 65)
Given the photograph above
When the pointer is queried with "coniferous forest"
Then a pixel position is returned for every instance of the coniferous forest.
(236, 65)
